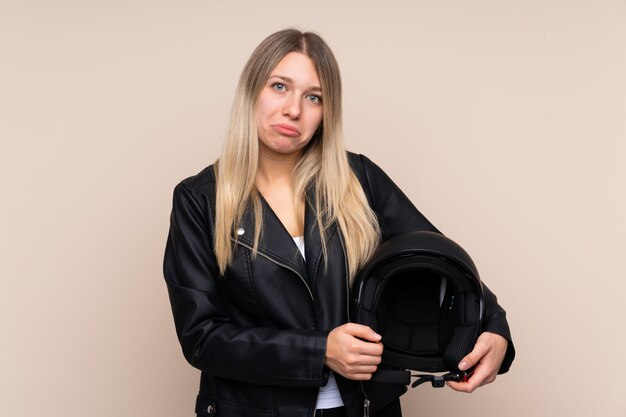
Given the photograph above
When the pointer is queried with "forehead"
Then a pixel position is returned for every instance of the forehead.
(299, 68)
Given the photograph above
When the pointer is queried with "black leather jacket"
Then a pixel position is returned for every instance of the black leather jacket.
(259, 334)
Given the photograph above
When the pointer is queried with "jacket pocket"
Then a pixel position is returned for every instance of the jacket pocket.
(215, 407)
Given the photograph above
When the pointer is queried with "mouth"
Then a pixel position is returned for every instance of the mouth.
(286, 130)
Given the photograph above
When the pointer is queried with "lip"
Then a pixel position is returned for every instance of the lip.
(286, 130)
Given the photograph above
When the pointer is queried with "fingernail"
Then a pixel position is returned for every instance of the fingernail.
(463, 366)
(377, 336)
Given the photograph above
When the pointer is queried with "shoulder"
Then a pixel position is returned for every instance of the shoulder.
(197, 192)
(395, 211)
(365, 170)
(356, 160)
(361, 163)
(202, 181)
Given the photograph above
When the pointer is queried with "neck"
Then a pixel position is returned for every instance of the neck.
(275, 167)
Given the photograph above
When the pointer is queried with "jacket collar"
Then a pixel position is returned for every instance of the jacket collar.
(277, 244)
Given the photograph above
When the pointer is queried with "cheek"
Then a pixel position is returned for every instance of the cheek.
(264, 108)
(259, 113)
(316, 120)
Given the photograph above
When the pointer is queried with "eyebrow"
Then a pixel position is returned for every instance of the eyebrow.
(290, 80)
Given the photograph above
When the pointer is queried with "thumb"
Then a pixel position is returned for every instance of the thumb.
(362, 331)
(472, 358)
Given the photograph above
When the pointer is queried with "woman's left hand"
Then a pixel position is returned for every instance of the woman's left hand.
(487, 355)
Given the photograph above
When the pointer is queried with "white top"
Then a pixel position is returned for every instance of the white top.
(328, 395)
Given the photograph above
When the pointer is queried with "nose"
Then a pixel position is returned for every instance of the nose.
(292, 107)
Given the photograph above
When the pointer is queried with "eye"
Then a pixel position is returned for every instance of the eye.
(279, 86)
(314, 99)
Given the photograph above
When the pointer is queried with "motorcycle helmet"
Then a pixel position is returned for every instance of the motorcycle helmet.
(422, 293)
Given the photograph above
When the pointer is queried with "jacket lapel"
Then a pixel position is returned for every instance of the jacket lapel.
(275, 242)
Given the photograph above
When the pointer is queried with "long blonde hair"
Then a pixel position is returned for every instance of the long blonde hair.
(323, 163)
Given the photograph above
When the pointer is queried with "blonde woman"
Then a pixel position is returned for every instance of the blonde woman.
(264, 244)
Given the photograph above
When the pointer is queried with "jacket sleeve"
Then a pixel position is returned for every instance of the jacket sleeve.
(398, 215)
(210, 340)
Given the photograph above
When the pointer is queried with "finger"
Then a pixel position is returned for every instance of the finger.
(359, 377)
(364, 360)
(362, 369)
(348, 372)
(473, 357)
(479, 378)
(468, 386)
(367, 348)
(460, 386)
(363, 332)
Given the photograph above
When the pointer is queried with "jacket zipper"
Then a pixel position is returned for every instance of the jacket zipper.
(280, 264)
(366, 403)
(287, 267)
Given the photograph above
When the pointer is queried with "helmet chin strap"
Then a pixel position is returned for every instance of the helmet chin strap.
(438, 381)
(396, 376)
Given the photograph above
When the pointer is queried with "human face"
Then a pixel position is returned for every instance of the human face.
(289, 109)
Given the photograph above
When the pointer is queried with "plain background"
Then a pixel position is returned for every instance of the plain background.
(504, 122)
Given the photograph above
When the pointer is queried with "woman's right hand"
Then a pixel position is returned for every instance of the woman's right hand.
(353, 351)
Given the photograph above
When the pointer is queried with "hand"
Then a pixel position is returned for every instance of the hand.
(487, 355)
(351, 357)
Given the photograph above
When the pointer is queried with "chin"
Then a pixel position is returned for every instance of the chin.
(286, 148)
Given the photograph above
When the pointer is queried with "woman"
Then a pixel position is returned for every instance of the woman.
(263, 246)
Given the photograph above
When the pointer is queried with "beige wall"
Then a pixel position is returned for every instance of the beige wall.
(504, 121)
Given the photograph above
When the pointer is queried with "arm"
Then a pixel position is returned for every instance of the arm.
(397, 215)
(210, 340)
